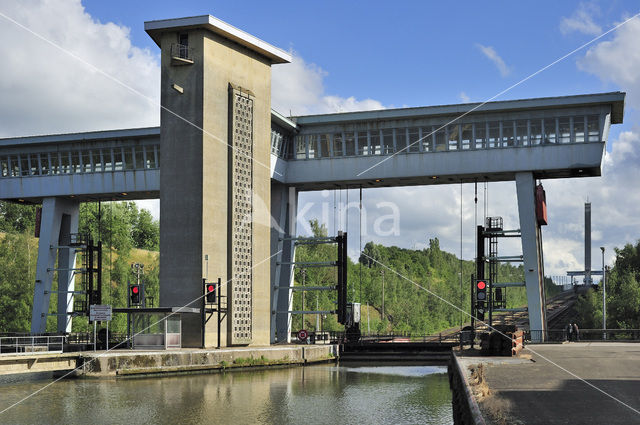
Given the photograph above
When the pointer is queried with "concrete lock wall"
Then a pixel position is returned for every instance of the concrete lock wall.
(194, 207)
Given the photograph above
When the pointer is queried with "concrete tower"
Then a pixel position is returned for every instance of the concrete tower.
(215, 198)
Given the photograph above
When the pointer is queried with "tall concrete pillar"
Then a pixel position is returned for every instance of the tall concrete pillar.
(284, 202)
(532, 253)
(587, 244)
(59, 220)
(215, 175)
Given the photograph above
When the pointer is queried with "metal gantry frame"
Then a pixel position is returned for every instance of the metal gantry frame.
(91, 272)
(496, 299)
(341, 263)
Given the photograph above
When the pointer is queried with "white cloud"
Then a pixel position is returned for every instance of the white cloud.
(464, 97)
(494, 57)
(45, 90)
(298, 89)
(618, 61)
(581, 21)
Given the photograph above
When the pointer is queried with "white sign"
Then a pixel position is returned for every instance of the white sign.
(100, 312)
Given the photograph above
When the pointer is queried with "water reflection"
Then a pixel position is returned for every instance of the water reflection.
(311, 395)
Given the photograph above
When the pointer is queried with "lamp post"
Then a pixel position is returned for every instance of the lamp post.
(604, 297)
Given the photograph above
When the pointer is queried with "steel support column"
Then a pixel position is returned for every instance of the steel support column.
(532, 255)
(284, 202)
(59, 220)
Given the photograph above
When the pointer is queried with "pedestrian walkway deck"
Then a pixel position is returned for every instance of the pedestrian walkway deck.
(532, 390)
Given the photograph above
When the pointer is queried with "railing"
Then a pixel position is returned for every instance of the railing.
(337, 337)
(181, 51)
(526, 131)
(24, 345)
(588, 335)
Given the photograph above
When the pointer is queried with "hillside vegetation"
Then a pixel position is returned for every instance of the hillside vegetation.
(422, 292)
(422, 288)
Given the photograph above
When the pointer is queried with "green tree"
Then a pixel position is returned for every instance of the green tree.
(17, 275)
(17, 217)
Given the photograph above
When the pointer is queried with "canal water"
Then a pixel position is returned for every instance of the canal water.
(320, 394)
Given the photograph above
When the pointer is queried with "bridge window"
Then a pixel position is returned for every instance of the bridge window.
(508, 139)
(387, 141)
(54, 160)
(401, 139)
(480, 135)
(593, 128)
(578, 129)
(467, 136)
(97, 161)
(85, 158)
(150, 157)
(33, 164)
(414, 139)
(349, 144)
(301, 150)
(128, 159)
(428, 137)
(44, 164)
(549, 130)
(14, 168)
(323, 146)
(24, 165)
(312, 139)
(536, 132)
(139, 157)
(4, 167)
(375, 142)
(107, 162)
(494, 134)
(65, 163)
(522, 133)
(118, 165)
(337, 144)
(452, 137)
(440, 136)
(564, 130)
(363, 143)
(76, 167)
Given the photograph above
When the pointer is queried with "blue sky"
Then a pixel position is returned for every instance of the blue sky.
(405, 53)
(350, 56)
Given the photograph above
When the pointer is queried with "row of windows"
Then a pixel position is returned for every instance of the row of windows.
(81, 161)
(279, 143)
(480, 135)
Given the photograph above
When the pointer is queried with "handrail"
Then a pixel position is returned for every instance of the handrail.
(32, 344)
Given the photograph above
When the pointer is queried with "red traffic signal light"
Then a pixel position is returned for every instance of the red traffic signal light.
(134, 296)
(481, 285)
(210, 292)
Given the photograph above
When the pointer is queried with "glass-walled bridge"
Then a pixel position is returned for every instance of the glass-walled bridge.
(520, 140)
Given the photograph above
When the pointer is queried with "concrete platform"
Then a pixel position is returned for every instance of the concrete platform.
(532, 390)
(136, 363)
(34, 362)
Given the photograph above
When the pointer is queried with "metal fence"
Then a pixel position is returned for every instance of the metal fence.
(336, 337)
(20, 345)
(588, 335)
